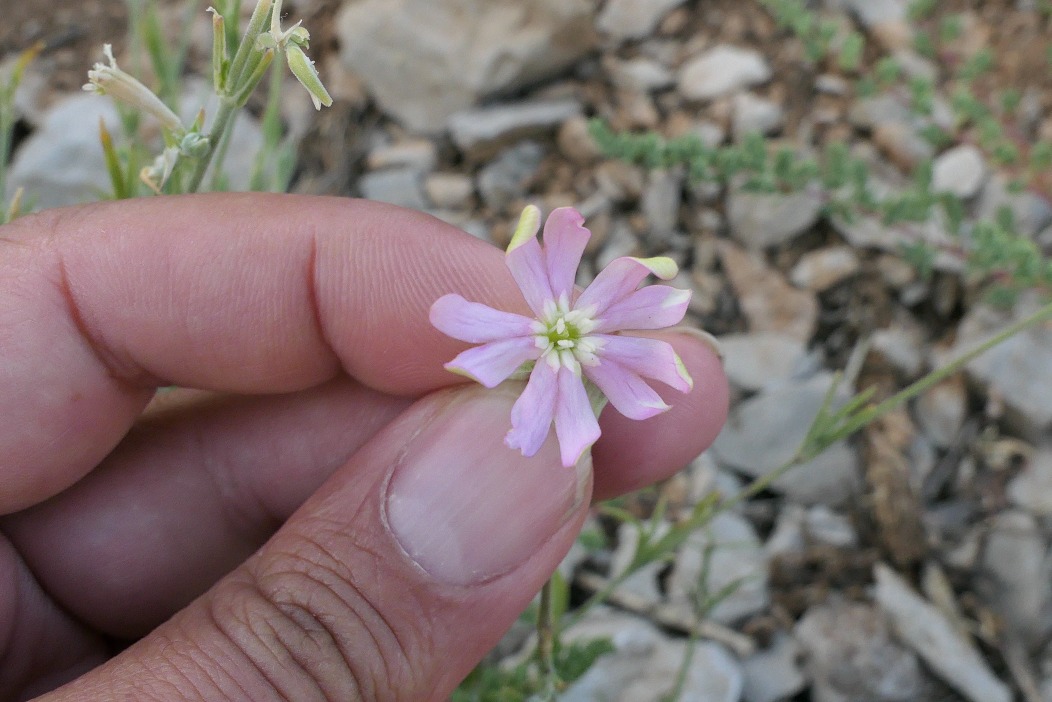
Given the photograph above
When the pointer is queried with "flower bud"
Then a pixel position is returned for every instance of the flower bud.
(303, 68)
(111, 80)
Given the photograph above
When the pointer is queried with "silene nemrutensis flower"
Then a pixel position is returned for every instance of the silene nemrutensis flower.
(572, 338)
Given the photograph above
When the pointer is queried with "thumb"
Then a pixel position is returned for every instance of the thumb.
(390, 583)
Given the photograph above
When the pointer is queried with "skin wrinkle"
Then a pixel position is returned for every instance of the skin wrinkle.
(340, 576)
(251, 596)
(318, 589)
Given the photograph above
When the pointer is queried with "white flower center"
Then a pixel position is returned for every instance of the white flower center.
(562, 336)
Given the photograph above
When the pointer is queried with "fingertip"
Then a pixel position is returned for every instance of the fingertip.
(633, 454)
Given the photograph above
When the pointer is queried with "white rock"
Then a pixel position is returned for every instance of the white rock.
(902, 345)
(633, 19)
(644, 664)
(734, 553)
(760, 220)
(660, 203)
(942, 409)
(1015, 558)
(424, 60)
(823, 268)
(1031, 489)
(412, 153)
(1019, 369)
(767, 300)
(959, 171)
(62, 163)
(763, 432)
(483, 131)
(453, 190)
(774, 674)
(755, 115)
(722, 70)
(851, 656)
(507, 176)
(828, 527)
(871, 12)
(755, 360)
(640, 73)
(398, 186)
(643, 583)
(1031, 212)
(923, 628)
(622, 241)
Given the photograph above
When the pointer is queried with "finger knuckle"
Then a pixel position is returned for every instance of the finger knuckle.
(315, 630)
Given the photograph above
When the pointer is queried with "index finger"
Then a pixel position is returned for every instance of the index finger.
(243, 293)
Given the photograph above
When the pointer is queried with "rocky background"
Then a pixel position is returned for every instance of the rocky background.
(909, 563)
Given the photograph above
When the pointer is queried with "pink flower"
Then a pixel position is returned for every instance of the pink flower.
(571, 338)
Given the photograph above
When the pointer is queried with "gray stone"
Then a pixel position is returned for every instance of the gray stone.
(452, 190)
(633, 19)
(774, 674)
(1031, 489)
(482, 132)
(959, 171)
(922, 627)
(420, 154)
(642, 584)
(871, 112)
(722, 70)
(1015, 559)
(763, 433)
(1030, 212)
(760, 220)
(1018, 370)
(644, 665)
(903, 143)
(61, 163)
(821, 269)
(851, 656)
(622, 241)
(734, 558)
(902, 345)
(660, 203)
(755, 115)
(828, 527)
(874, 12)
(398, 186)
(507, 176)
(942, 409)
(425, 60)
(766, 299)
(640, 73)
(576, 143)
(755, 360)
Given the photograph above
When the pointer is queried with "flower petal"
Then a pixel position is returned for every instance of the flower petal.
(575, 422)
(477, 323)
(564, 242)
(627, 392)
(620, 278)
(525, 260)
(652, 307)
(492, 363)
(532, 413)
(649, 358)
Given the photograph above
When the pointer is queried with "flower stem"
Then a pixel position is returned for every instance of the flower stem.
(546, 643)
(224, 121)
(825, 431)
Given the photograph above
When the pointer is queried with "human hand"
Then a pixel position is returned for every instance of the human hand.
(319, 519)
